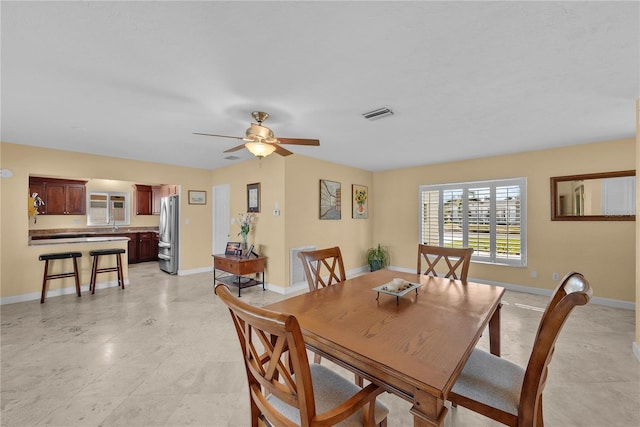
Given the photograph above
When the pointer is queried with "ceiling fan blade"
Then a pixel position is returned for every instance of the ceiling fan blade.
(236, 148)
(221, 136)
(299, 141)
(282, 151)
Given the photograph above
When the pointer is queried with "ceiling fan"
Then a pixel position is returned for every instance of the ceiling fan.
(261, 142)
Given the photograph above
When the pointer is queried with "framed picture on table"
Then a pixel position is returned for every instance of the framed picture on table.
(232, 248)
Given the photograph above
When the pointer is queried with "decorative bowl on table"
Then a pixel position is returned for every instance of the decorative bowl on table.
(396, 287)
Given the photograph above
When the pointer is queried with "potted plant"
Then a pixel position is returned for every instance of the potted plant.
(377, 257)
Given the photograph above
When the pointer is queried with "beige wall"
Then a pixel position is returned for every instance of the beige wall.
(303, 224)
(294, 183)
(20, 270)
(268, 231)
(603, 251)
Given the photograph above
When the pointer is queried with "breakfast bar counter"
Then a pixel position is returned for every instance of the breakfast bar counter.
(76, 240)
(32, 268)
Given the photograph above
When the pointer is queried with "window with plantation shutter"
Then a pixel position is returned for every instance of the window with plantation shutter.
(489, 216)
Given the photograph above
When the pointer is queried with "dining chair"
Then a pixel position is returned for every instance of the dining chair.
(285, 390)
(323, 267)
(322, 262)
(452, 263)
(502, 390)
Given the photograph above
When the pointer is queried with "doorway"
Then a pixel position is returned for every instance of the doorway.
(221, 218)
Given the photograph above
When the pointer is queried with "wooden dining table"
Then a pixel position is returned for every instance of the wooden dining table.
(415, 346)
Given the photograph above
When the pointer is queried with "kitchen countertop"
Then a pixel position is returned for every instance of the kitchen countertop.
(74, 240)
(88, 232)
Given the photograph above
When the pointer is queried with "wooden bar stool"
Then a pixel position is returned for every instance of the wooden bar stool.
(95, 270)
(60, 255)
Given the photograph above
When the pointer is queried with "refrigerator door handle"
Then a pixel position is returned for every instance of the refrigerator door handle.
(164, 245)
(165, 257)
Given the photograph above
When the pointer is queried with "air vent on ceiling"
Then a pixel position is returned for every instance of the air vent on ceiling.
(378, 113)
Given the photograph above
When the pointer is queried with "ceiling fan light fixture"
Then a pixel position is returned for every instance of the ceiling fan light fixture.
(260, 149)
(261, 141)
(259, 131)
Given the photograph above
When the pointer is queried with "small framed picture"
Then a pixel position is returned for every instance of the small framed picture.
(232, 248)
(253, 197)
(197, 197)
(330, 199)
(360, 196)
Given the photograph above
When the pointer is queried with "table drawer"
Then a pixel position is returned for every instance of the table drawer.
(227, 265)
(239, 266)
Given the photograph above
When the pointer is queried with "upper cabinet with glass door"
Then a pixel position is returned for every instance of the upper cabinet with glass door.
(608, 196)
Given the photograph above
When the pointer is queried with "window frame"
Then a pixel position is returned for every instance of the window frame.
(492, 257)
(109, 194)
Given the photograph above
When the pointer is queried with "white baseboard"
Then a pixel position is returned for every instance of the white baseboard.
(300, 286)
(58, 292)
(626, 305)
(196, 271)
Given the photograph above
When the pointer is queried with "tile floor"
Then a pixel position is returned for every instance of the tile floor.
(162, 352)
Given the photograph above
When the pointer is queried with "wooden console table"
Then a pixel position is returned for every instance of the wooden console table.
(234, 267)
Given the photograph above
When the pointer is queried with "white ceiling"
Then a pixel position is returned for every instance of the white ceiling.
(465, 79)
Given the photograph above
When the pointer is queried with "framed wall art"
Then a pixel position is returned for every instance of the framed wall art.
(359, 201)
(253, 197)
(330, 199)
(197, 197)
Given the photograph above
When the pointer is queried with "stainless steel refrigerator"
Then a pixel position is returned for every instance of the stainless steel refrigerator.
(168, 244)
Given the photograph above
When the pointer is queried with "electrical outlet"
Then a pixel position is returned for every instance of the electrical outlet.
(534, 274)
(555, 276)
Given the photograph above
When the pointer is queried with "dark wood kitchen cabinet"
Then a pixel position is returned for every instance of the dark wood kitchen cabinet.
(147, 246)
(147, 199)
(143, 198)
(156, 195)
(60, 196)
(132, 247)
(168, 190)
(142, 246)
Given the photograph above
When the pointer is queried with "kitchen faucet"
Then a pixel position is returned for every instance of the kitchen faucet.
(115, 227)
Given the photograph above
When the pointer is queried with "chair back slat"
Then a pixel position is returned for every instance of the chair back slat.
(450, 263)
(323, 267)
(501, 390)
(572, 291)
(275, 358)
(280, 378)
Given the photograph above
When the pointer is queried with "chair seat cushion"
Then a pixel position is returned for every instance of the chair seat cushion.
(491, 380)
(329, 389)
